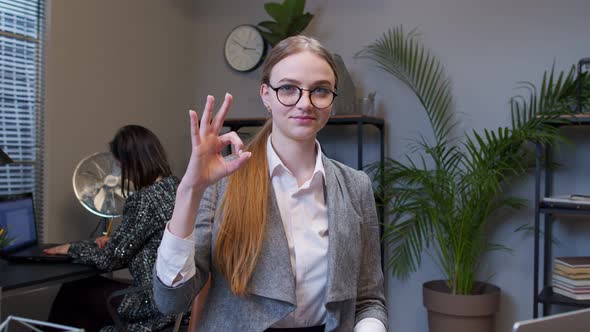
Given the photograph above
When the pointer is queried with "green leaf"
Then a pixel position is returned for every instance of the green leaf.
(299, 24)
(289, 17)
(279, 13)
(295, 7)
(271, 38)
(271, 26)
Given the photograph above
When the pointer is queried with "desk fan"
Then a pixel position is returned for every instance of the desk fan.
(97, 185)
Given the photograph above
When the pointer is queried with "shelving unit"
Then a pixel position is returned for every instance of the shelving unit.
(543, 293)
(336, 120)
(359, 121)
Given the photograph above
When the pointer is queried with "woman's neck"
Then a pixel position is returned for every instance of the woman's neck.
(298, 156)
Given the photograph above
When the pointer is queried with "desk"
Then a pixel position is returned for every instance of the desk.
(18, 278)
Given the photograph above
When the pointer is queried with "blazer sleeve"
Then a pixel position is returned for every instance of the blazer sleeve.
(137, 227)
(173, 300)
(370, 289)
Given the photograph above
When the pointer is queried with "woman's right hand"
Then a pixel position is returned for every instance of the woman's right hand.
(207, 165)
(58, 250)
(101, 242)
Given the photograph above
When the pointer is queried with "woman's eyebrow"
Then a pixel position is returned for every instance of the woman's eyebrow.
(296, 82)
(323, 82)
(288, 80)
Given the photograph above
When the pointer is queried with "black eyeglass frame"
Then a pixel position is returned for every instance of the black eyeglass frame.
(276, 90)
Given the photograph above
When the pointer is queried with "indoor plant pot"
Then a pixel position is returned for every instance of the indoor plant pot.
(451, 313)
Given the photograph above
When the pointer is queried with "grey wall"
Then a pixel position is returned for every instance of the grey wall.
(112, 63)
(486, 48)
(108, 63)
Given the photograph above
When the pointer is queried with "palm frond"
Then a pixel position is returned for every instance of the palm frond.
(444, 192)
(403, 55)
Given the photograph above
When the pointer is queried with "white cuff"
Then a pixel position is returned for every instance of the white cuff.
(369, 324)
(175, 263)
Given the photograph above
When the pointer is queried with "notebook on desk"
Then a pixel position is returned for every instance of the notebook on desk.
(572, 321)
(17, 217)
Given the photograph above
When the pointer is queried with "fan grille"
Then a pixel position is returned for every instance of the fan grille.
(97, 185)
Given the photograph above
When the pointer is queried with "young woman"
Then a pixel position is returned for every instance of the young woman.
(134, 244)
(289, 237)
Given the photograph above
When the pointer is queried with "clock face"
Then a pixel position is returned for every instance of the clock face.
(244, 48)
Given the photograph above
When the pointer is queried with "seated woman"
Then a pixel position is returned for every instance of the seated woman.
(134, 244)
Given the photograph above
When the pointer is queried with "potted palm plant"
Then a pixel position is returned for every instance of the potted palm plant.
(443, 193)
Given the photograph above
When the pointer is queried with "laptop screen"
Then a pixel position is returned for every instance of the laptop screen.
(572, 321)
(17, 217)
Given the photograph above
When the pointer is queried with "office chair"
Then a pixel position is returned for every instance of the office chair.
(196, 309)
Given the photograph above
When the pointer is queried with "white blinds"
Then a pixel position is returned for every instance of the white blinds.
(21, 96)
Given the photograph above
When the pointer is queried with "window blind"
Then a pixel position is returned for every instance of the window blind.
(21, 98)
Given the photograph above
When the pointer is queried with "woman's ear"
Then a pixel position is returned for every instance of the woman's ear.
(265, 95)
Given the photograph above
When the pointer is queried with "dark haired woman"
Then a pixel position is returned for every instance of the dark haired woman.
(134, 244)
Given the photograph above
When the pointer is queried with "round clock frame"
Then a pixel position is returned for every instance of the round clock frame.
(244, 48)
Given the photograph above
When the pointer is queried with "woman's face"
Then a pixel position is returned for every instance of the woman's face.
(302, 121)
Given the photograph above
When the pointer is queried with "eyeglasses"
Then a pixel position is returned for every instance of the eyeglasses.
(289, 95)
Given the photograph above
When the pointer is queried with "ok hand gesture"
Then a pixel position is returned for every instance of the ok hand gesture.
(206, 165)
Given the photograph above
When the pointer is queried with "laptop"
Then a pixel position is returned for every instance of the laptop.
(17, 217)
(572, 321)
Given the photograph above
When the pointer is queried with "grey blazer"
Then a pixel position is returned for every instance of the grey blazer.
(355, 279)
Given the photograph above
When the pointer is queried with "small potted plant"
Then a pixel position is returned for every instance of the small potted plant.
(4, 239)
(442, 194)
(289, 20)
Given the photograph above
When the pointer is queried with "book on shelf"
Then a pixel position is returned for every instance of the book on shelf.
(571, 282)
(580, 197)
(574, 261)
(571, 295)
(571, 270)
(566, 201)
(569, 288)
(572, 276)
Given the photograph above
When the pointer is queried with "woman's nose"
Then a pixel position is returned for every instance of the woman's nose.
(305, 100)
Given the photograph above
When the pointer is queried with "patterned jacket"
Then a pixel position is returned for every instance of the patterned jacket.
(134, 245)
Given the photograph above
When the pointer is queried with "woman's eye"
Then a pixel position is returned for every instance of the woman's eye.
(288, 89)
(321, 91)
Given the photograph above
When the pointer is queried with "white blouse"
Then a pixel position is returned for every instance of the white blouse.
(305, 220)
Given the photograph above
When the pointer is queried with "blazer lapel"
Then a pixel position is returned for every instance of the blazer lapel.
(343, 235)
(273, 276)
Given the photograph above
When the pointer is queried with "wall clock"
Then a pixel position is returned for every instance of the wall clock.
(244, 48)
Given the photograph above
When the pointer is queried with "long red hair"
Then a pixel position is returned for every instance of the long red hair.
(245, 202)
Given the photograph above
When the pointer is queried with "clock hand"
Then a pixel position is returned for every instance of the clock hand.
(235, 41)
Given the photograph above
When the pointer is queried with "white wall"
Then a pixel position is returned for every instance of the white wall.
(486, 48)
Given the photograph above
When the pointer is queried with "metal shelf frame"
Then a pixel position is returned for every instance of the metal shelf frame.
(543, 294)
(358, 120)
(336, 120)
